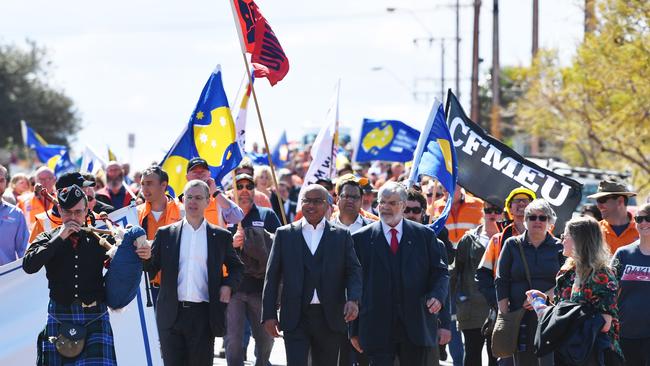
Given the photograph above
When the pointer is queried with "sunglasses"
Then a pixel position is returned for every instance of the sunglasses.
(604, 199)
(248, 186)
(438, 195)
(640, 219)
(541, 218)
(493, 210)
(415, 210)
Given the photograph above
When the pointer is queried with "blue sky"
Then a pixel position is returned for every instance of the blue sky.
(139, 66)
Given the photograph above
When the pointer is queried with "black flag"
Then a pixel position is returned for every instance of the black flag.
(488, 167)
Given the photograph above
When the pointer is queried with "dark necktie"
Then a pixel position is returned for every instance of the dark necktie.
(394, 243)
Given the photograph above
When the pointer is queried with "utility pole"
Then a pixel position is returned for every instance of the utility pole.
(457, 48)
(496, 97)
(475, 111)
(534, 141)
(590, 16)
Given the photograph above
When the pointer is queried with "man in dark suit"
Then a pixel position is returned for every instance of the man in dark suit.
(405, 282)
(321, 278)
(193, 292)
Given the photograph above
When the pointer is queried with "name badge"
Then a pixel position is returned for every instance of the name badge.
(258, 223)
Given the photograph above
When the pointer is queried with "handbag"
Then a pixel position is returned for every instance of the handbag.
(506, 326)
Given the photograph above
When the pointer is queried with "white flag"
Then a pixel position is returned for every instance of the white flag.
(241, 101)
(91, 162)
(323, 150)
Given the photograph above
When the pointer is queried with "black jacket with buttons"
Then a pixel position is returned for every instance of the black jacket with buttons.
(73, 274)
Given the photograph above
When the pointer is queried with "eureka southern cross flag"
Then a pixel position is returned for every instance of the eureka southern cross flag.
(56, 157)
(210, 134)
(435, 156)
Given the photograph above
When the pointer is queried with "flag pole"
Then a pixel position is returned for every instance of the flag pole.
(335, 138)
(257, 110)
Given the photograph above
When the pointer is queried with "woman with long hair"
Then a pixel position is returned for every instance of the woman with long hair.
(263, 180)
(586, 277)
(632, 264)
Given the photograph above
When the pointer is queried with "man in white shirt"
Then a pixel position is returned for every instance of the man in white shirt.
(193, 293)
(350, 195)
(317, 299)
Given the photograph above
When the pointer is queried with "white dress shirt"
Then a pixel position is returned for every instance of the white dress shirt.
(354, 227)
(312, 237)
(388, 234)
(193, 264)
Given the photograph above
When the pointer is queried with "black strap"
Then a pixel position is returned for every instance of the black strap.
(523, 258)
(85, 325)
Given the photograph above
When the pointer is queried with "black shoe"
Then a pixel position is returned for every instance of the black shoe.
(443, 352)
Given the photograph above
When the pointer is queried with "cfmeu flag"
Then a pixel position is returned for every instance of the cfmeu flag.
(210, 134)
(386, 140)
(56, 157)
(257, 38)
(435, 156)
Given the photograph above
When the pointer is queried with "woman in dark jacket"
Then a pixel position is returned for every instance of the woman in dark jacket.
(542, 253)
(471, 307)
(587, 278)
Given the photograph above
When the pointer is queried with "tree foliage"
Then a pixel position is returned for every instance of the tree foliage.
(26, 94)
(596, 111)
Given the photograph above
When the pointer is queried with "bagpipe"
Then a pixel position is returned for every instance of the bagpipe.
(122, 279)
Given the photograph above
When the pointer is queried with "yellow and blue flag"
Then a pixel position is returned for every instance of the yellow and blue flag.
(435, 156)
(56, 157)
(386, 140)
(210, 134)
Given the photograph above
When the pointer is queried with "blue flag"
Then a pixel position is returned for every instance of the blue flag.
(280, 154)
(386, 140)
(56, 157)
(435, 156)
(210, 134)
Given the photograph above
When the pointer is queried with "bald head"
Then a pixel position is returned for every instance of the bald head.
(45, 176)
(317, 188)
(314, 203)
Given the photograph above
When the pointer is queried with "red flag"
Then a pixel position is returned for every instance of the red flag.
(268, 58)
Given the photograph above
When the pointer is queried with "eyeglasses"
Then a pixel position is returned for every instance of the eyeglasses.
(312, 201)
(350, 197)
(493, 210)
(541, 218)
(520, 200)
(438, 195)
(248, 186)
(195, 198)
(604, 199)
(640, 219)
(73, 212)
(415, 210)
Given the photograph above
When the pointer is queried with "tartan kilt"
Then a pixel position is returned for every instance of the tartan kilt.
(98, 350)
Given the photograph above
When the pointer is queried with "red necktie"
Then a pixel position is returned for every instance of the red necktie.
(394, 243)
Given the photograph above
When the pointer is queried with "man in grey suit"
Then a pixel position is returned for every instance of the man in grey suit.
(405, 282)
(321, 277)
(193, 291)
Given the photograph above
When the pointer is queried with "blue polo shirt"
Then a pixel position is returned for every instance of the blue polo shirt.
(13, 233)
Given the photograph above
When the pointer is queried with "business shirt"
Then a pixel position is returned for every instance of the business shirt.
(193, 264)
(354, 227)
(386, 229)
(13, 232)
(312, 237)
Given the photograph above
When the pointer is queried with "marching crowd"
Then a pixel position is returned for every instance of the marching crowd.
(355, 277)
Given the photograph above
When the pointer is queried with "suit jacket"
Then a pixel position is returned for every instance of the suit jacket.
(424, 276)
(341, 273)
(165, 253)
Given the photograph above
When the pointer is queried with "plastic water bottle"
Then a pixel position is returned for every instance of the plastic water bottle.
(539, 304)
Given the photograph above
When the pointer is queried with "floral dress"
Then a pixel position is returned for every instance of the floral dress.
(600, 290)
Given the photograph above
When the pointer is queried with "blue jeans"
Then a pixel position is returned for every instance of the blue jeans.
(456, 345)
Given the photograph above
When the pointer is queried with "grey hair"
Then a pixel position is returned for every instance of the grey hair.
(541, 204)
(197, 183)
(391, 188)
